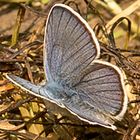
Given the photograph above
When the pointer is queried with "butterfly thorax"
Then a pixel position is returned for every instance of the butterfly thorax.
(57, 92)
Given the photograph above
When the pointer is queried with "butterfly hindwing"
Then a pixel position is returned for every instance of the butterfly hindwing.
(100, 95)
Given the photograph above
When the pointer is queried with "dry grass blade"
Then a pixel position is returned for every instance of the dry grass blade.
(4, 86)
(125, 13)
(5, 125)
(19, 20)
(24, 117)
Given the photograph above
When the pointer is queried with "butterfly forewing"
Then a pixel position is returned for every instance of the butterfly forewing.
(70, 45)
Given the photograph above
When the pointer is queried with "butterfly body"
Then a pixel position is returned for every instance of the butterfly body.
(56, 92)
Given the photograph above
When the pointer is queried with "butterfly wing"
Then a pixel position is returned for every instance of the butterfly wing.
(70, 45)
(100, 95)
(26, 85)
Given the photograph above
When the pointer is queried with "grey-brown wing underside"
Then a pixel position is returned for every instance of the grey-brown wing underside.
(101, 96)
(70, 45)
(26, 85)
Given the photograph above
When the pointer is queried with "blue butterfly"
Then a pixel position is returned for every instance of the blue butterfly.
(89, 88)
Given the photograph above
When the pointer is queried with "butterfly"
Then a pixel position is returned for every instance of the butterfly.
(77, 80)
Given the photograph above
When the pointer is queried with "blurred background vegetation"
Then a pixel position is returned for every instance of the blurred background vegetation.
(24, 117)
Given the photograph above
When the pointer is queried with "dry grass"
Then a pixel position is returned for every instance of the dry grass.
(23, 117)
